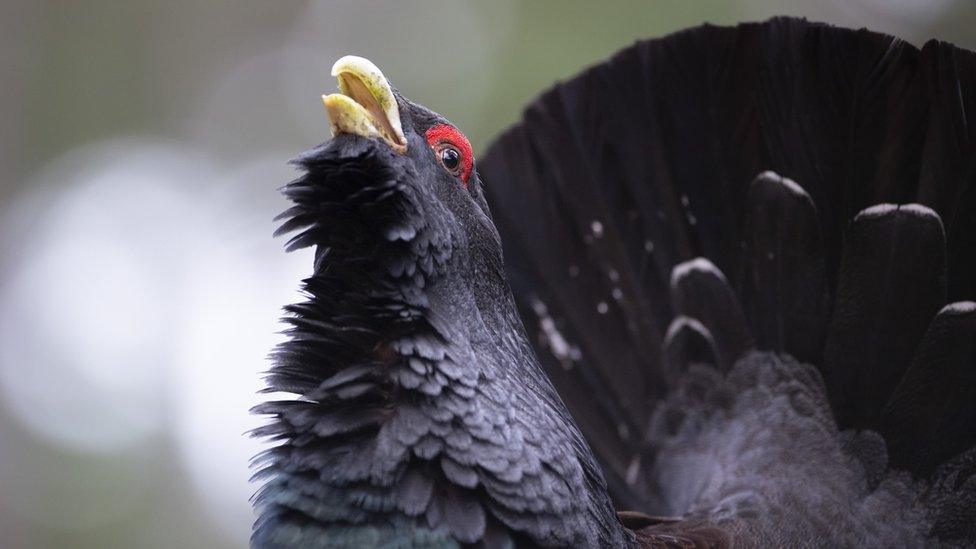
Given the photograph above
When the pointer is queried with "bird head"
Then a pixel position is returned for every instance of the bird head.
(413, 177)
(435, 157)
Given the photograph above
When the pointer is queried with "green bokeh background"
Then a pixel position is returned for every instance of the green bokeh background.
(236, 80)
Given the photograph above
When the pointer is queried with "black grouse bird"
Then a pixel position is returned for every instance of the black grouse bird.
(741, 262)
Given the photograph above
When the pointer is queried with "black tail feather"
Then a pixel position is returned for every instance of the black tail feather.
(782, 280)
(648, 161)
(891, 283)
(686, 342)
(931, 417)
(700, 291)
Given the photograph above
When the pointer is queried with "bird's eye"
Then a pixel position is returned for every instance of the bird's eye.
(451, 159)
(452, 150)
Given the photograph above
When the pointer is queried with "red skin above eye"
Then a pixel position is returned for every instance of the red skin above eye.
(445, 134)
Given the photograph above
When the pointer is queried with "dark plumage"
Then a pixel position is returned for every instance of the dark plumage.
(744, 258)
(424, 418)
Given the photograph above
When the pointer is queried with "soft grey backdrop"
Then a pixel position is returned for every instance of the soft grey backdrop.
(141, 144)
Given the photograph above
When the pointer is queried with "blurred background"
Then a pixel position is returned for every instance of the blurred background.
(141, 146)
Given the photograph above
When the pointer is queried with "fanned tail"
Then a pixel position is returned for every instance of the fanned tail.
(784, 186)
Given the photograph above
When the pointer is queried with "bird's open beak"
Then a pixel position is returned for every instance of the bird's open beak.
(365, 105)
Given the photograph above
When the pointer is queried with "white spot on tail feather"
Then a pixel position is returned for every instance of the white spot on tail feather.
(880, 210)
(597, 228)
(918, 209)
(700, 264)
(633, 469)
(793, 187)
(681, 322)
(877, 210)
(553, 339)
(788, 183)
(959, 308)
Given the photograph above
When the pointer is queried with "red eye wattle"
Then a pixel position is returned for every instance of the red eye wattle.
(452, 149)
